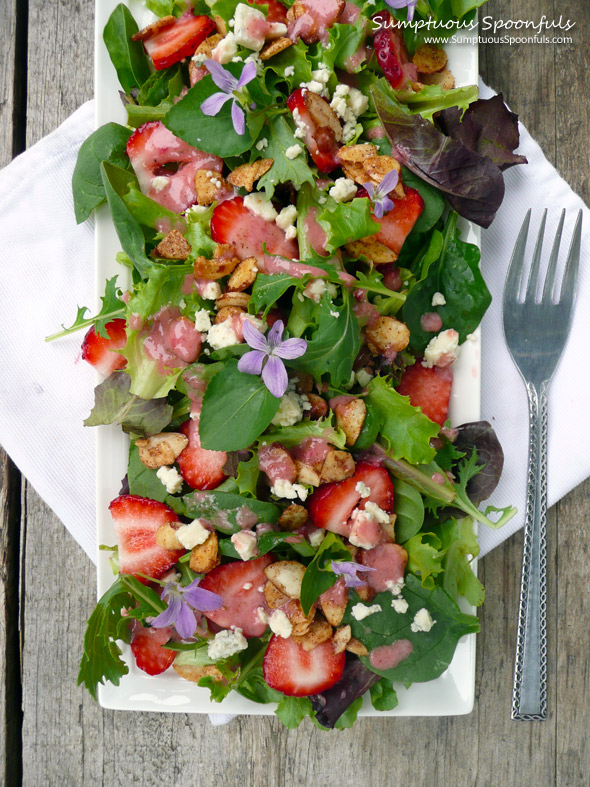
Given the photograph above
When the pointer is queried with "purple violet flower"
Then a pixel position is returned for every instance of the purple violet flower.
(230, 88)
(349, 570)
(409, 4)
(181, 603)
(379, 195)
(266, 355)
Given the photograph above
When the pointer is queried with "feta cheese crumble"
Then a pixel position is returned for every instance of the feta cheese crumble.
(438, 299)
(171, 479)
(422, 621)
(222, 335)
(262, 143)
(192, 535)
(343, 190)
(362, 611)
(287, 490)
(245, 544)
(226, 49)
(211, 291)
(280, 624)
(258, 204)
(289, 71)
(442, 350)
(226, 643)
(395, 586)
(314, 290)
(249, 27)
(348, 103)
(316, 537)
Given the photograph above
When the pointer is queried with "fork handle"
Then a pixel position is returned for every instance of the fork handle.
(529, 696)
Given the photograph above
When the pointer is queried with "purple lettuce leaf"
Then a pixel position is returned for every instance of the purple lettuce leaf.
(356, 680)
(488, 127)
(473, 184)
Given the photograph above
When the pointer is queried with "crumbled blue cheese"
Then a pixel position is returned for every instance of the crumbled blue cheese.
(293, 151)
(348, 103)
(363, 377)
(247, 21)
(171, 479)
(222, 335)
(400, 605)
(226, 49)
(192, 535)
(422, 621)
(260, 205)
(245, 544)
(300, 127)
(438, 299)
(287, 490)
(377, 513)
(211, 291)
(226, 643)
(363, 489)
(290, 71)
(280, 624)
(313, 86)
(316, 537)
(442, 350)
(159, 182)
(290, 410)
(202, 320)
(362, 611)
(395, 586)
(262, 144)
(315, 289)
(343, 190)
(286, 219)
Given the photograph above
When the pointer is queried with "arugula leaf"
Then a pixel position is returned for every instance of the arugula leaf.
(107, 143)
(144, 112)
(409, 509)
(432, 651)
(224, 510)
(112, 306)
(116, 181)
(101, 659)
(128, 57)
(318, 575)
(347, 221)
(237, 408)
(142, 480)
(268, 288)
(407, 430)
(292, 710)
(459, 541)
(383, 695)
(113, 403)
(213, 134)
(284, 170)
(334, 344)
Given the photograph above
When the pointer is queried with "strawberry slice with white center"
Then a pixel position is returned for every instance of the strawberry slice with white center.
(232, 222)
(321, 127)
(136, 520)
(429, 389)
(171, 43)
(146, 645)
(156, 154)
(101, 353)
(200, 468)
(240, 586)
(392, 54)
(389, 562)
(299, 673)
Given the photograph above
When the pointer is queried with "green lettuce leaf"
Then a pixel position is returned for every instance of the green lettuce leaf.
(144, 112)
(290, 436)
(284, 170)
(459, 541)
(347, 221)
(224, 510)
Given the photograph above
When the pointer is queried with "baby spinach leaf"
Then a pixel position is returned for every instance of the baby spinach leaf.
(107, 143)
(112, 306)
(142, 480)
(318, 575)
(383, 695)
(432, 651)
(170, 7)
(267, 290)
(224, 510)
(113, 403)
(407, 430)
(409, 509)
(284, 169)
(128, 57)
(237, 408)
(434, 201)
(347, 221)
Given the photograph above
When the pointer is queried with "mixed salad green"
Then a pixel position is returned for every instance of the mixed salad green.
(297, 519)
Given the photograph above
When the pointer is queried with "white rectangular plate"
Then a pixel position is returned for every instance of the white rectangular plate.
(451, 694)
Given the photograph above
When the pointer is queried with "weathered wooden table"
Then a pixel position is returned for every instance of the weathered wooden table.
(52, 733)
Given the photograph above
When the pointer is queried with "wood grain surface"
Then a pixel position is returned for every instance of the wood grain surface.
(63, 738)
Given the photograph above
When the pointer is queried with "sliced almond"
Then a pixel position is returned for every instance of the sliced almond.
(356, 647)
(363, 164)
(372, 250)
(193, 673)
(246, 175)
(161, 449)
(239, 300)
(306, 474)
(387, 333)
(319, 631)
(274, 597)
(338, 465)
(209, 186)
(341, 638)
(287, 576)
(350, 417)
(173, 247)
(443, 78)
(224, 261)
(226, 312)
(293, 517)
(205, 556)
(299, 620)
(332, 612)
(244, 275)
(166, 537)
(274, 47)
(322, 114)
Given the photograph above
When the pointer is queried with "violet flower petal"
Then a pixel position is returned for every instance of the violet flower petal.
(169, 615)
(251, 363)
(185, 621)
(387, 204)
(212, 106)
(255, 338)
(378, 209)
(370, 189)
(247, 75)
(222, 78)
(349, 570)
(291, 348)
(201, 599)
(389, 182)
(275, 335)
(238, 118)
(274, 376)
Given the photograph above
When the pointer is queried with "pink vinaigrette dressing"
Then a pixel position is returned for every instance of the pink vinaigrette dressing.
(172, 340)
(389, 656)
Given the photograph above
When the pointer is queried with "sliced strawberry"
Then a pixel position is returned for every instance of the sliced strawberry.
(232, 222)
(240, 604)
(136, 520)
(379, 482)
(156, 152)
(323, 132)
(389, 562)
(392, 54)
(397, 224)
(100, 352)
(429, 389)
(177, 40)
(276, 11)
(200, 468)
(297, 672)
(310, 19)
(146, 644)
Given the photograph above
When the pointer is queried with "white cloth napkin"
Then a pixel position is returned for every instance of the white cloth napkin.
(48, 269)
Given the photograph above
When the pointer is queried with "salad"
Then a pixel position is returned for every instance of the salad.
(296, 523)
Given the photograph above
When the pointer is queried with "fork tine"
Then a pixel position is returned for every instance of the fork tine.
(514, 275)
(571, 267)
(552, 267)
(531, 289)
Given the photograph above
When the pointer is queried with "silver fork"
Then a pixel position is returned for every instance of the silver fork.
(536, 330)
